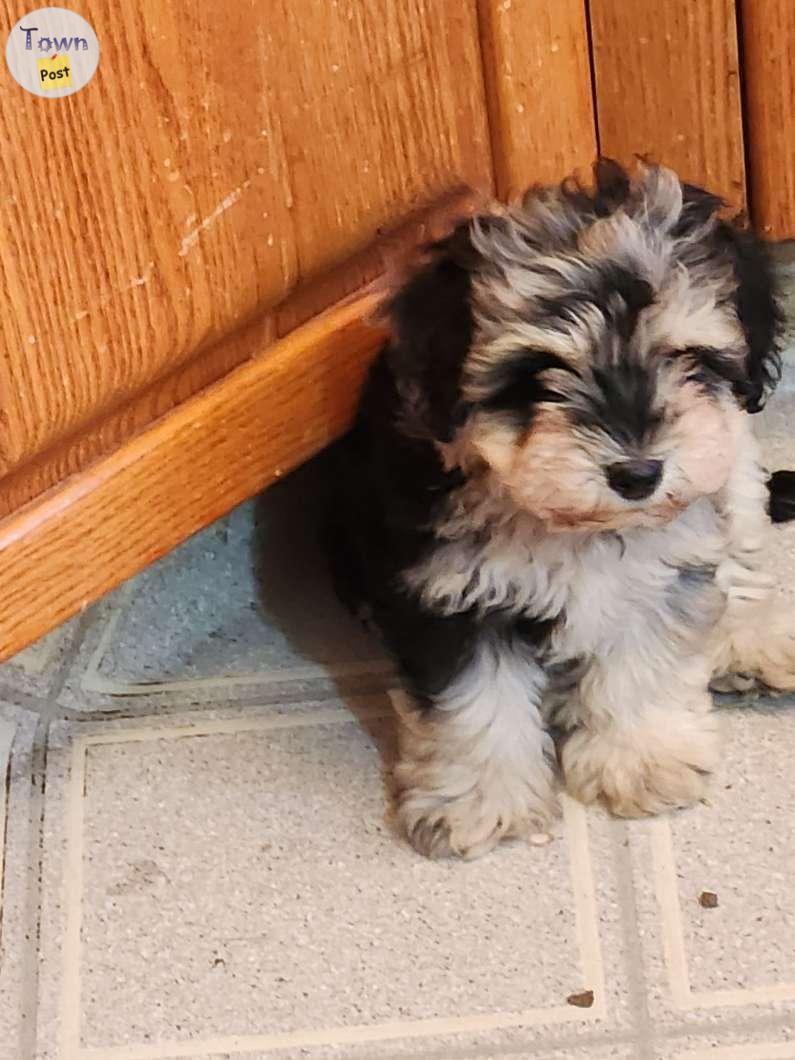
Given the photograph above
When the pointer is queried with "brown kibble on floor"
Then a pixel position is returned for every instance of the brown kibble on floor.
(582, 1000)
(708, 900)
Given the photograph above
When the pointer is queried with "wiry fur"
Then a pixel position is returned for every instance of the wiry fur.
(553, 504)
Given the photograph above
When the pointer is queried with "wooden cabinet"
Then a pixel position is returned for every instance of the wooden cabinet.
(186, 243)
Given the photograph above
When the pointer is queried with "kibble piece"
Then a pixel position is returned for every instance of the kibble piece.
(708, 900)
(582, 1000)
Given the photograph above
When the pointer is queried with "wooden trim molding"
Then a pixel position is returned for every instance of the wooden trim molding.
(77, 542)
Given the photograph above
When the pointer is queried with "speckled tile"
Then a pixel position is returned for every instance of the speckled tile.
(16, 1006)
(735, 960)
(236, 883)
(777, 1044)
(244, 607)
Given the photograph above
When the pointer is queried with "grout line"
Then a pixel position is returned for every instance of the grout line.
(751, 1051)
(26, 700)
(7, 733)
(585, 904)
(232, 726)
(70, 655)
(47, 710)
(33, 888)
(630, 930)
(544, 1048)
(73, 872)
(767, 1024)
(104, 686)
(91, 669)
(664, 870)
(197, 1048)
(160, 709)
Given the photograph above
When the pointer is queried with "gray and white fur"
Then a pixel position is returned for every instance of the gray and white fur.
(553, 505)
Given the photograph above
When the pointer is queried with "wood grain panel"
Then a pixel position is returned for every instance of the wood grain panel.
(382, 257)
(143, 236)
(108, 522)
(378, 104)
(538, 77)
(768, 46)
(193, 194)
(667, 85)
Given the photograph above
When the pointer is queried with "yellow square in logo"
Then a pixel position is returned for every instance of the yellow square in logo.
(55, 72)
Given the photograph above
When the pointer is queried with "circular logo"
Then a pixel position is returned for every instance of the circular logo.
(52, 52)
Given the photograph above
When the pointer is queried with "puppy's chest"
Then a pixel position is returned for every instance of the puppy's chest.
(588, 585)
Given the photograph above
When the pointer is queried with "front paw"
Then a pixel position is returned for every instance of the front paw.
(638, 772)
(763, 653)
(449, 822)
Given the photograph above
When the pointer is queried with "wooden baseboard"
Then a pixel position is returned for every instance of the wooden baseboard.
(80, 540)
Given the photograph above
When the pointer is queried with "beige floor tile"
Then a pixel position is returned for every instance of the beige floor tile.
(235, 884)
(16, 1004)
(779, 1045)
(737, 959)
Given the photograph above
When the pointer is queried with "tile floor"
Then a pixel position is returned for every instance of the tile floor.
(198, 860)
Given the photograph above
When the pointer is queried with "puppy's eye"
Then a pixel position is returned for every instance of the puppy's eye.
(710, 367)
(522, 380)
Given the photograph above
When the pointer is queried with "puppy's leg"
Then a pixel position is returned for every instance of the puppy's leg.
(476, 762)
(646, 761)
(755, 640)
(645, 738)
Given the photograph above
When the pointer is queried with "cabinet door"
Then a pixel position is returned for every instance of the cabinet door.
(222, 156)
(224, 177)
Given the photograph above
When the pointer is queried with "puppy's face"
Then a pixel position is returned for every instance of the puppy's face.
(602, 397)
(607, 359)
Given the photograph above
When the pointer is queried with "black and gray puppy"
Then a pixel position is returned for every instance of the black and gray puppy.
(553, 504)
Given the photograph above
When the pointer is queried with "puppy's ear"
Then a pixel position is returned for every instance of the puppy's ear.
(758, 311)
(698, 206)
(431, 318)
(755, 296)
(612, 186)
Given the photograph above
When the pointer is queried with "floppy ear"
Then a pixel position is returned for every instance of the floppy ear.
(431, 318)
(758, 311)
(755, 296)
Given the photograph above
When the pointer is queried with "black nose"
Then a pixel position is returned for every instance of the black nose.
(635, 479)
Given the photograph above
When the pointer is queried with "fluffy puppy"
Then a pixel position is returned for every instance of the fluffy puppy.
(552, 504)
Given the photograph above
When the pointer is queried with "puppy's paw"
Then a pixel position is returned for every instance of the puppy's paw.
(472, 823)
(775, 659)
(766, 653)
(642, 772)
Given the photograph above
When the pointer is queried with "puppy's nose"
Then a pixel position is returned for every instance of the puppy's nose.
(635, 479)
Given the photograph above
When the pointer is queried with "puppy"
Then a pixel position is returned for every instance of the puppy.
(553, 506)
